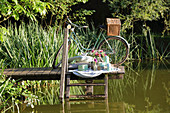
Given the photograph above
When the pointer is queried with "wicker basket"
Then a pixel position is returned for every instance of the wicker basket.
(113, 26)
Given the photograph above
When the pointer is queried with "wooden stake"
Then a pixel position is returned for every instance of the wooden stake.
(106, 86)
(64, 65)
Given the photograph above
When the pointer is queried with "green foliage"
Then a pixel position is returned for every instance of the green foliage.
(80, 16)
(11, 92)
(143, 11)
(62, 8)
(135, 10)
(29, 8)
(34, 9)
(3, 33)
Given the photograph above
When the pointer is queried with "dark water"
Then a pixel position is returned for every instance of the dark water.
(144, 89)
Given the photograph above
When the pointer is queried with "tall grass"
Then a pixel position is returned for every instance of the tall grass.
(147, 46)
(30, 45)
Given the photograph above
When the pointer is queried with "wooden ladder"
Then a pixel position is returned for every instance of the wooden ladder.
(89, 88)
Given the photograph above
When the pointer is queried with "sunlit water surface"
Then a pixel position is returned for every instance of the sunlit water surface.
(145, 88)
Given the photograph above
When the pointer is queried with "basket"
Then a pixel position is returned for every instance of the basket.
(113, 26)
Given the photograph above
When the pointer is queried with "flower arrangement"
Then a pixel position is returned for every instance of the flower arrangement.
(98, 55)
(95, 64)
(100, 59)
(95, 61)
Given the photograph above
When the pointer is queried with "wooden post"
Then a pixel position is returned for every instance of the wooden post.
(89, 89)
(68, 87)
(64, 65)
(107, 105)
(106, 86)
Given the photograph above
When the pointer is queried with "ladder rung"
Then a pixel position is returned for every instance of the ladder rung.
(85, 110)
(87, 84)
(81, 96)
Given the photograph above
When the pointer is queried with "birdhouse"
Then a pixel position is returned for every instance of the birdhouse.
(113, 26)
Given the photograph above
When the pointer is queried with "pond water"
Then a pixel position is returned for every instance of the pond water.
(145, 88)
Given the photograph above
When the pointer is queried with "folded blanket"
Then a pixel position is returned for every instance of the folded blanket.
(85, 59)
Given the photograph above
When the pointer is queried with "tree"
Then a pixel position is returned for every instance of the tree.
(132, 11)
(33, 9)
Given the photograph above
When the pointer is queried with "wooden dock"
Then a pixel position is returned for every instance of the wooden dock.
(56, 74)
(64, 76)
(51, 74)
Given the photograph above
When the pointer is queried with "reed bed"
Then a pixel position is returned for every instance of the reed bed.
(31, 45)
(148, 46)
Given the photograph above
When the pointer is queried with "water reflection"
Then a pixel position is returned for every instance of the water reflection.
(85, 106)
(89, 106)
(145, 88)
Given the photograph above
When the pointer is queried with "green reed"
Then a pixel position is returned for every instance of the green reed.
(144, 46)
(30, 45)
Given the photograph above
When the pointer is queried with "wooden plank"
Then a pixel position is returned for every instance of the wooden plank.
(13, 71)
(40, 74)
(27, 70)
(40, 71)
(33, 71)
(122, 71)
(7, 70)
(87, 101)
(90, 110)
(87, 84)
(87, 96)
(117, 76)
(47, 71)
(47, 76)
(15, 74)
(34, 74)
(55, 71)
(64, 65)
(18, 70)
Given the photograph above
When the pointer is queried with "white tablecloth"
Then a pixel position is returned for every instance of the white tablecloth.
(91, 73)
